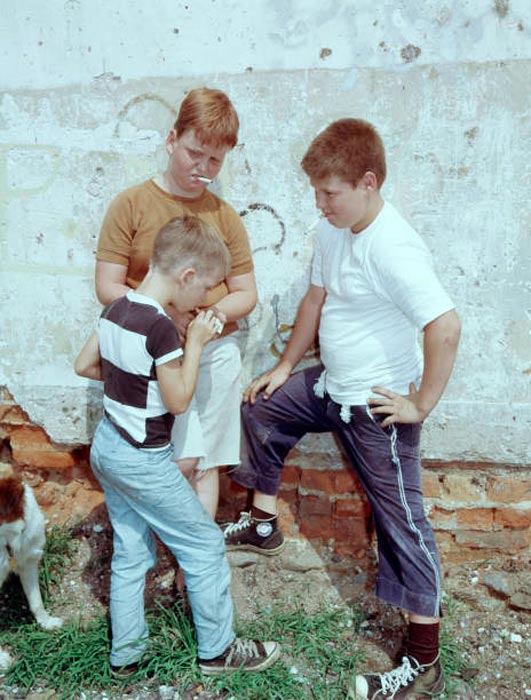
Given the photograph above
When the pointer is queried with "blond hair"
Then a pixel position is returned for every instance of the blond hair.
(186, 241)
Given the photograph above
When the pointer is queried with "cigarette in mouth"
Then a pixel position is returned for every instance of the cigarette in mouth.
(201, 178)
(314, 224)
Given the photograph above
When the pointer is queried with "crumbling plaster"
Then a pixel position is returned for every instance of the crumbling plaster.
(90, 89)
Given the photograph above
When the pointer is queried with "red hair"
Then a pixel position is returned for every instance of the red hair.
(211, 115)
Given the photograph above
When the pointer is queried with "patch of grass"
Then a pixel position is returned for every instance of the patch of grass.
(452, 651)
(317, 659)
(319, 650)
(59, 551)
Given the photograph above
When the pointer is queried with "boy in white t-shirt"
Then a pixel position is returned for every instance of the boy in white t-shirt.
(372, 289)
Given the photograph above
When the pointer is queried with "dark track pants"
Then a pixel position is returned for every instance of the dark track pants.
(388, 464)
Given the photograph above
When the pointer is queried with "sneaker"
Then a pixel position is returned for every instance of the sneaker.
(121, 673)
(263, 536)
(242, 655)
(410, 681)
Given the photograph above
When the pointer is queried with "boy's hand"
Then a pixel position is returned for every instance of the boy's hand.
(399, 409)
(269, 382)
(203, 327)
(221, 319)
(181, 320)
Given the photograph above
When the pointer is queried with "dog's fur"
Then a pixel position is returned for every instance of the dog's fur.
(22, 539)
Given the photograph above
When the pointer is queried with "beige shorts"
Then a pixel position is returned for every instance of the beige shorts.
(210, 428)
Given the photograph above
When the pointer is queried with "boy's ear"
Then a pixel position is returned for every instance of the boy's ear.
(171, 141)
(370, 181)
(186, 275)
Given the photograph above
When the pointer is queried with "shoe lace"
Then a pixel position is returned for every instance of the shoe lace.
(243, 523)
(398, 677)
(242, 649)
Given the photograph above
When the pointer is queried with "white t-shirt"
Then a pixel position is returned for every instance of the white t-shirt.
(381, 289)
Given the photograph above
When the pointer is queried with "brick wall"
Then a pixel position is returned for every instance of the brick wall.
(478, 509)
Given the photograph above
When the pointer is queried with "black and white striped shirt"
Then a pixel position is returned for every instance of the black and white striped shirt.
(135, 335)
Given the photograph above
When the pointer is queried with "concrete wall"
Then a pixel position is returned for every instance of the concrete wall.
(89, 90)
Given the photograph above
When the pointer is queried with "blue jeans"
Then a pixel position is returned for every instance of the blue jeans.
(387, 462)
(145, 492)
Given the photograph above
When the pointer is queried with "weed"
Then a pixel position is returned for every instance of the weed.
(319, 649)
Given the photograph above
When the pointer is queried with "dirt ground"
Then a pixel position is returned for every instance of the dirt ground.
(489, 607)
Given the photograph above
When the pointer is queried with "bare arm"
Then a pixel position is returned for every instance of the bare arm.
(110, 281)
(441, 338)
(88, 362)
(302, 336)
(177, 379)
(242, 297)
(239, 302)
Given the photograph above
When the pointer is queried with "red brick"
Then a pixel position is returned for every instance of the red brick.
(314, 480)
(291, 495)
(312, 506)
(458, 466)
(13, 415)
(43, 459)
(442, 519)
(28, 435)
(319, 526)
(348, 507)
(445, 542)
(350, 529)
(346, 481)
(291, 475)
(508, 489)
(463, 486)
(513, 518)
(475, 518)
(5, 394)
(506, 541)
(431, 484)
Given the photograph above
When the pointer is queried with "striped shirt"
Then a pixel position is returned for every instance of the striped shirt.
(135, 336)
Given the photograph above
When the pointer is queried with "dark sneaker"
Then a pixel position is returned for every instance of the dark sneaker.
(121, 673)
(263, 536)
(410, 681)
(245, 655)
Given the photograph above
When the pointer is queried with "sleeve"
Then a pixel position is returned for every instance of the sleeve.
(406, 277)
(163, 342)
(117, 232)
(237, 240)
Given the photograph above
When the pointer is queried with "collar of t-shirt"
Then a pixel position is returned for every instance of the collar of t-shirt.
(133, 295)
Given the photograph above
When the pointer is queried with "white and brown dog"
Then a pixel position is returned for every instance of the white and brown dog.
(22, 539)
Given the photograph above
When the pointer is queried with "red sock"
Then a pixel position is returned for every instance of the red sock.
(423, 642)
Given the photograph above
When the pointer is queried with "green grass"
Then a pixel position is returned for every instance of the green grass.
(320, 651)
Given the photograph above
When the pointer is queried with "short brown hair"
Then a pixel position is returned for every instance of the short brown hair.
(186, 241)
(347, 148)
(211, 115)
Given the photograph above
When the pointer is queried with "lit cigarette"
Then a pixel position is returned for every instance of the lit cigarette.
(204, 179)
(314, 224)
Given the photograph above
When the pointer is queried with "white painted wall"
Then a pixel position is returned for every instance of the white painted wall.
(89, 90)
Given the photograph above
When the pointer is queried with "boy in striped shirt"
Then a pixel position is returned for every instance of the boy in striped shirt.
(148, 378)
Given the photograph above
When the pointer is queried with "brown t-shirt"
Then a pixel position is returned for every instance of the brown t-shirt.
(137, 214)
